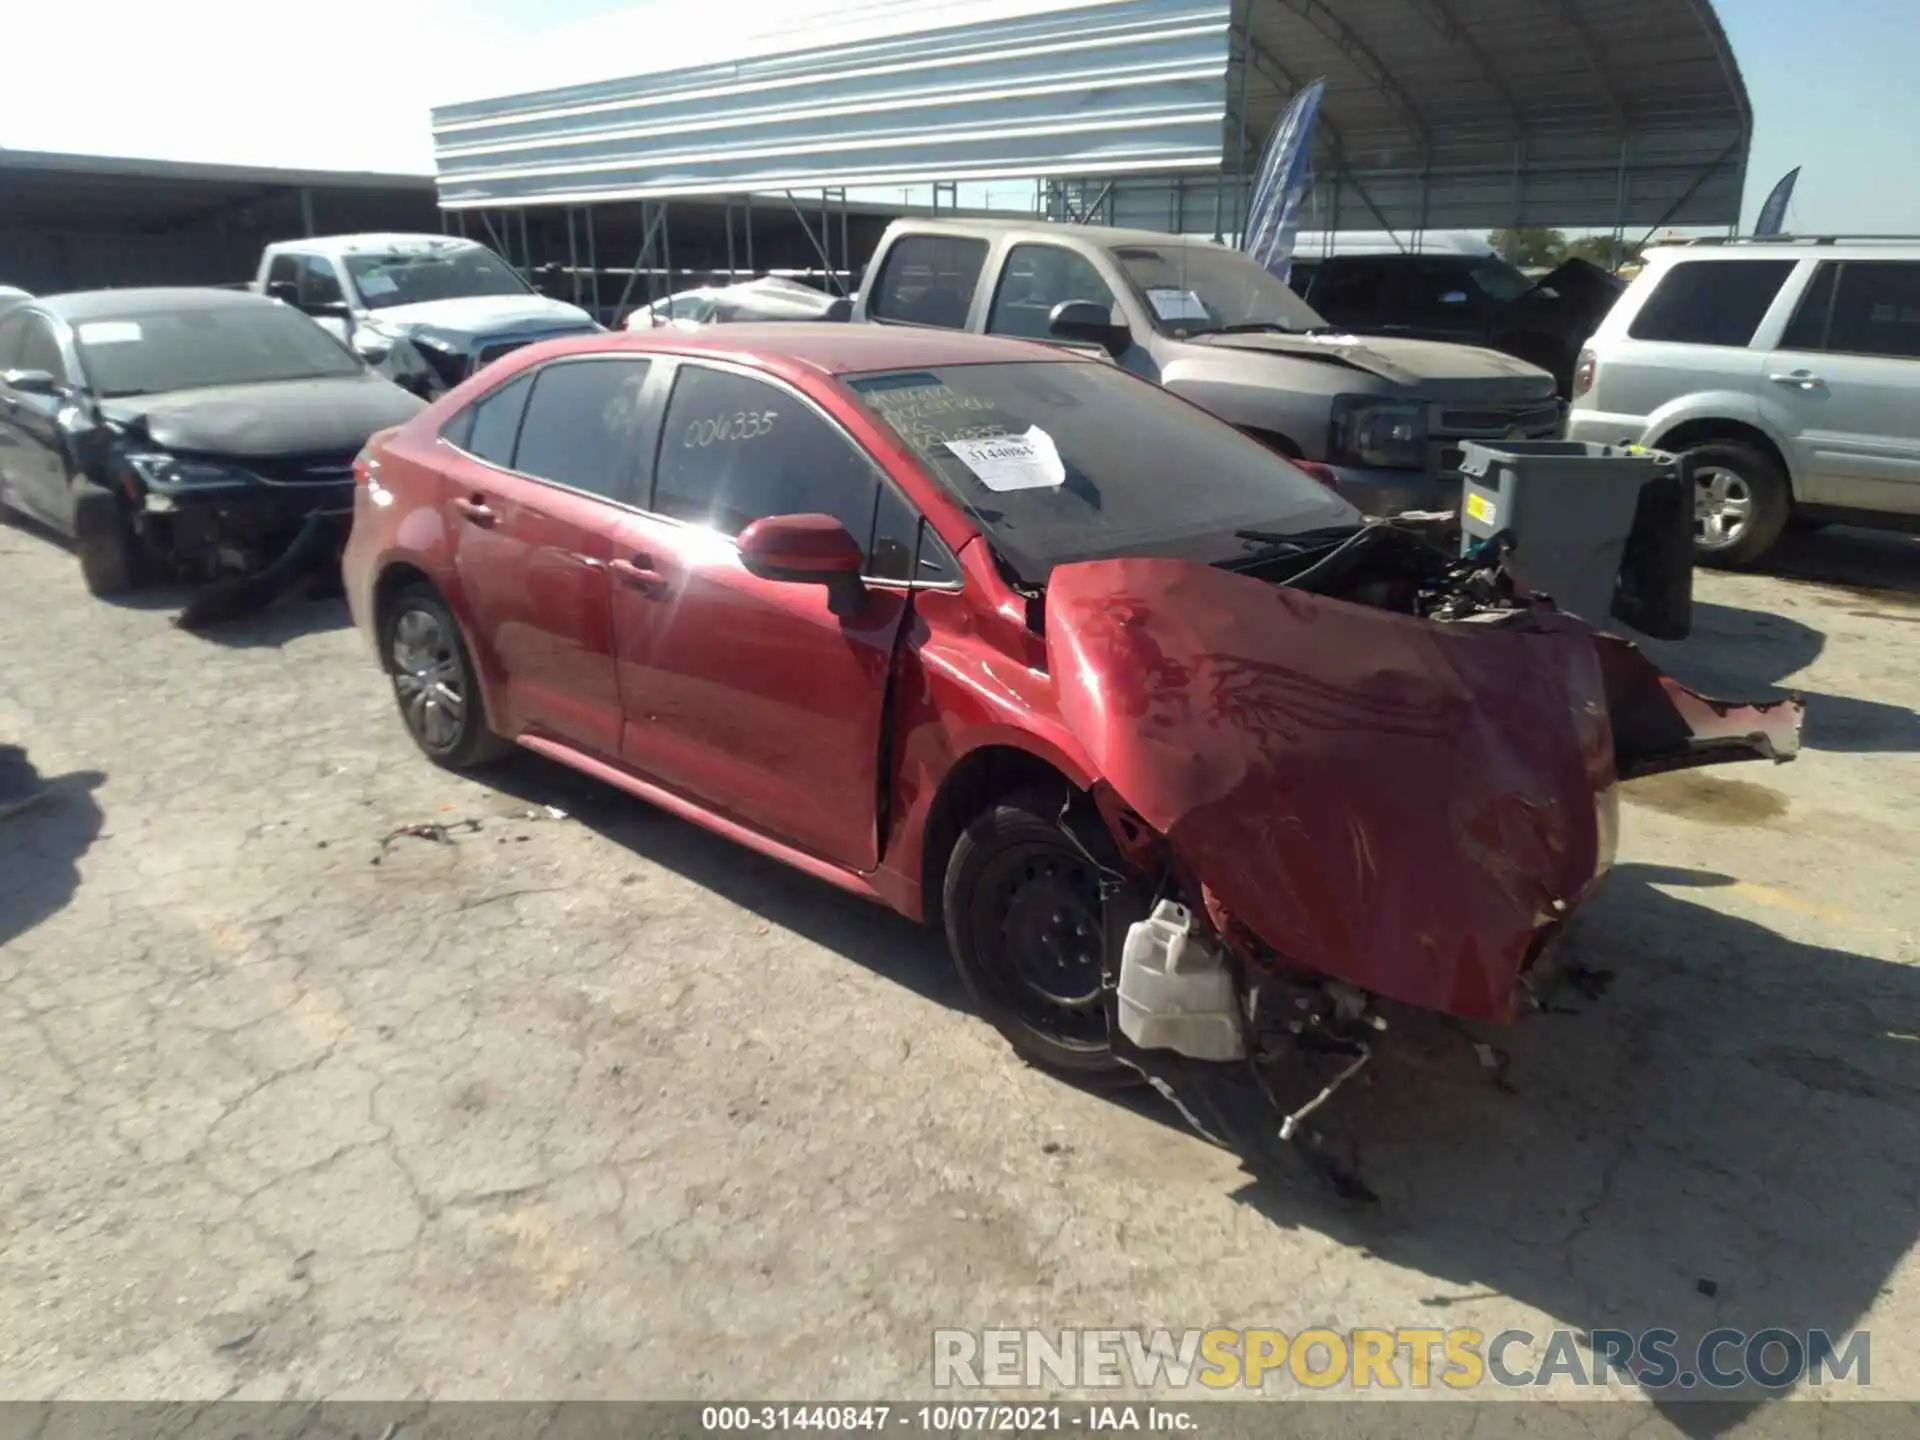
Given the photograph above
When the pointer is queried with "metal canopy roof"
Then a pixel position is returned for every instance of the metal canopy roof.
(1439, 114)
(1472, 114)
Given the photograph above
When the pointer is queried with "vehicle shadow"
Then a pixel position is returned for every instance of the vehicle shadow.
(1739, 1115)
(41, 842)
(1740, 654)
(308, 610)
(1729, 1138)
(1878, 567)
(910, 955)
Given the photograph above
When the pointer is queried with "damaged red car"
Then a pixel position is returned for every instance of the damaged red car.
(1195, 765)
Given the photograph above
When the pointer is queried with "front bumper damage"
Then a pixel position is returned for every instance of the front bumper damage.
(247, 544)
(1312, 811)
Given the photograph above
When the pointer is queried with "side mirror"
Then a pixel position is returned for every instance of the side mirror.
(1089, 322)
(31, 382)
(331, 309)
(285, 291)
(371, 345)
(800, 548)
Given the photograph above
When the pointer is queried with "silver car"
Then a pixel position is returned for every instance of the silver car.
(1786, 371)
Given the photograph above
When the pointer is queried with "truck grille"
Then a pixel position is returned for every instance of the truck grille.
(491, 350)
(1532, 420)
(1536, 420)
(329, 468)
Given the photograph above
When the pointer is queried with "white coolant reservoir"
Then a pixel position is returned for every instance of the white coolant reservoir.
(1175, 992)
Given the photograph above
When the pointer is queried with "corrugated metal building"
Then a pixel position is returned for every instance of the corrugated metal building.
(1439, 113)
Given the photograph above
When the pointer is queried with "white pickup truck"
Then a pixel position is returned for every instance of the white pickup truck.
(426, 310)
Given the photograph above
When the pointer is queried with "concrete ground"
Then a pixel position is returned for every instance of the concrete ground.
(595, 1104)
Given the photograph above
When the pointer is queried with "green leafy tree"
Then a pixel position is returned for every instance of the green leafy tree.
(1530, 247)
(1605, 251)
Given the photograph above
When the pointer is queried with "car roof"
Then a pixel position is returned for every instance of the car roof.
(830, 347)
(375, 242)
(1044, 230)
(81, 305)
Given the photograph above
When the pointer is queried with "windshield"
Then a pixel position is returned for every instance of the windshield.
(1192, 287)
(151, 353)
(450, 272)
(1061, 462)
(1500, 280)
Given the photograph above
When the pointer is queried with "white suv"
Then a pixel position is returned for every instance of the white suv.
(1787, 372)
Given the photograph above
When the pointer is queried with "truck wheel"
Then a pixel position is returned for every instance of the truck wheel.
(436, 684)
(1023, 913)
(1741, 501)
(111, 560)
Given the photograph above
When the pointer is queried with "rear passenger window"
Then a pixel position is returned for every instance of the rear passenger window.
(488, 428)
(1711, 302)
(929, 280)
(1876, 309)
(583, 427)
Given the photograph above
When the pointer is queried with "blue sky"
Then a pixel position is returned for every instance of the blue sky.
(1834, 83)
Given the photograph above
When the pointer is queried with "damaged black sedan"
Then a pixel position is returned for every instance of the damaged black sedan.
(197, 434)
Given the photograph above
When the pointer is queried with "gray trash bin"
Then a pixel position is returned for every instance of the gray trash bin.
(1606, 530)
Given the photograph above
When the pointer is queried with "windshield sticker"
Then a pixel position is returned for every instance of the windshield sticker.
(1013, 462)
(109, 332)
(1175, 304)
(377, 282)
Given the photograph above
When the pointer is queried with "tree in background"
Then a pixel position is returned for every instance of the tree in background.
(1605, 251)
(1529, 247)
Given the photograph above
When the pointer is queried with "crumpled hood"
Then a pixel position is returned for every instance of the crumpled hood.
(1410, 806)
(1436, 369)
(472, 317)
(289, 417)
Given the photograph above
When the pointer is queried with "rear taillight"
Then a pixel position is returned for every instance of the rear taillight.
(1584, 372)
(1322, 473)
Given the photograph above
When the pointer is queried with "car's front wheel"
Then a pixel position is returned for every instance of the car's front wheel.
(435, 683)
(1023, 915)
(1741, 503)
(111, 559)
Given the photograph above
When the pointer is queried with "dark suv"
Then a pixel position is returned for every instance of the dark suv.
(1466, 299)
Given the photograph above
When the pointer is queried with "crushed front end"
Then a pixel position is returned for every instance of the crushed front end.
(246, 531)
(1357, 776)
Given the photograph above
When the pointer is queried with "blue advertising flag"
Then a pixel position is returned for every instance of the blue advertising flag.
(1273, 214)
(1773, 214)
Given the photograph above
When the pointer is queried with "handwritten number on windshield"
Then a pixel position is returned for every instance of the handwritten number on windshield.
(728, 429)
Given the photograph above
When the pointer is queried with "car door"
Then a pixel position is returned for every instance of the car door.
(1348, 293)
(540, 472)
(760, 699)
(1435, 298)
(1846, 380)
(33, 458)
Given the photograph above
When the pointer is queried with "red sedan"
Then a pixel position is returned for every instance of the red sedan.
(1186, 756)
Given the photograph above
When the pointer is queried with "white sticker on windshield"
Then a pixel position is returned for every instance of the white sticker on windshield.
(376, 282)
(1171, 304)
(109, 332)
(1013, 462)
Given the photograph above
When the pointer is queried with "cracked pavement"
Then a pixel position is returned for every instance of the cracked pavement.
(602, 1106)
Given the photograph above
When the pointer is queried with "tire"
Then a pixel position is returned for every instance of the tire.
(111, 559)
(435, 682)
(1755, 502)
(1022, 910)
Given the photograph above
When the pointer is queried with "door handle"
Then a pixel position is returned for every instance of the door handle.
(1804, 379)
(478, 511)
(638, 572)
